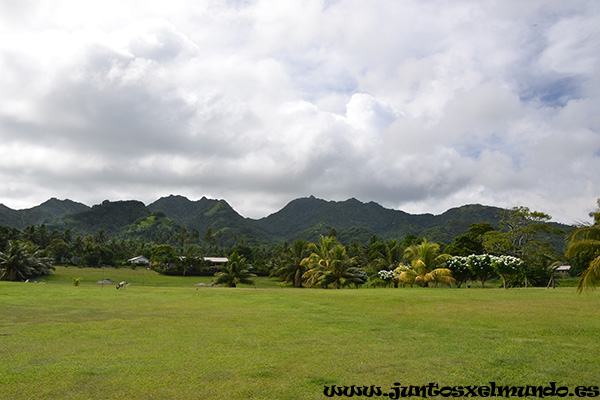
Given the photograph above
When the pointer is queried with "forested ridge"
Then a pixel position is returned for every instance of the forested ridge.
(310, 242)
(303, 218)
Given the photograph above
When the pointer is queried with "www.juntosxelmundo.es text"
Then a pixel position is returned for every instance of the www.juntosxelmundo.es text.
(436, 390)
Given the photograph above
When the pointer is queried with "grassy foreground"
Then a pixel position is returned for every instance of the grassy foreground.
(163, 338)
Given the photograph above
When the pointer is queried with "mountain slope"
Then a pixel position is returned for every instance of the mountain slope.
(218, 215)
(110, 216)
(154, 228)
(44, 213)
(304, 218)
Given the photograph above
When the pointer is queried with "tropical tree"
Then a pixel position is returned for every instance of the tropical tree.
(481, 267)
(190, 259)
(22, 261)
(290, 267)
(471, 242)
(318, 254)
(78, 246)
(521, 233)
(329, 264)
(424, 267)
(507, 267)
(384, 256)
(59, 249)
(101, 237)
(235, 272)
(585, 241)
(163, 257)
(587, 238)
(459, 265)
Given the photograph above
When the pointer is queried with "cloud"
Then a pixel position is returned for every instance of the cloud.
(417, 105)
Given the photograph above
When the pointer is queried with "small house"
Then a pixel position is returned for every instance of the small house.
(562, 269)
(138, 260)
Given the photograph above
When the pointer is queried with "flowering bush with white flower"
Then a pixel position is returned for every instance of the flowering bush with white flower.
(485, 266)
(383, 278)
(386, 275)
(460, 268)
(480, 262)
(481, 267)
(508, 267)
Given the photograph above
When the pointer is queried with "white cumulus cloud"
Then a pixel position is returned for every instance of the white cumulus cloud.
(418, 105)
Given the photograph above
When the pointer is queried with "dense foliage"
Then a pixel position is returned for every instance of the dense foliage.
(517, 253)
(304, 218)
(21, 261)
(235, 272)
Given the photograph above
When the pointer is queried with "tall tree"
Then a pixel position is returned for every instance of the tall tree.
(163, 256)
(471, 242)
(101, 238)
(290, 267)
(384, 256)
(190, 259)
(522, 234)
(520, 226)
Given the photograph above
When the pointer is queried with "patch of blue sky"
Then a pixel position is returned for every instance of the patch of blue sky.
(315, 78)
(555, 92)
(492, 143)
(329, 3)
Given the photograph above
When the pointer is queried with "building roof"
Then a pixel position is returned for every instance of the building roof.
(216, 259)
(139, 259)
(562, 268)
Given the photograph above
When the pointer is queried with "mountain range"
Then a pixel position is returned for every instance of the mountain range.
(304, 218)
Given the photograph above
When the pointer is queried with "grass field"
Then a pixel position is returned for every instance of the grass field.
(163, 338)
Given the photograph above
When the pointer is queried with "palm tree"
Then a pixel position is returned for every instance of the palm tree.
(316, 259)
(22, 261)
(585, 241)
(190, 259)
(387, 257)
(234, 272)
(101, 238)
(423, 259)
(291, 268)
(329, 264)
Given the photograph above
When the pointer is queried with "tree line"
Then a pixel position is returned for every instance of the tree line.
(516, 253)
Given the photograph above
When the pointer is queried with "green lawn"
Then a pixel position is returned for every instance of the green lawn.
(163, 338)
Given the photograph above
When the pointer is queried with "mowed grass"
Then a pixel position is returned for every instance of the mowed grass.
(164, 338)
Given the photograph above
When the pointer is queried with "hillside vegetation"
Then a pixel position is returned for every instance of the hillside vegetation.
(303, 218)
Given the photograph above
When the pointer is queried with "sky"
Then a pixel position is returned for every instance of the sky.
(418, 105)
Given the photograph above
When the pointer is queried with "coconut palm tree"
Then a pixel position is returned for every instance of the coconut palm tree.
(291, 268)
(317, 257)
(387, 256)
(190, 259)
(586, 241)
(235, 272)
(424, 258)
(329, 264)
(22, 261)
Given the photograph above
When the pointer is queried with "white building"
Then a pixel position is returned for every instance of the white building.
(139, 260)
